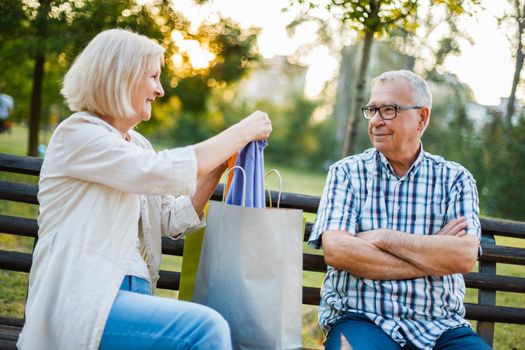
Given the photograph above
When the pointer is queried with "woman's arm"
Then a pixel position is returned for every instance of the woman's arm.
(205, 186)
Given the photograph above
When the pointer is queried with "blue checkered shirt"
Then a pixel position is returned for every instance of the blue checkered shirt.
(363, 193)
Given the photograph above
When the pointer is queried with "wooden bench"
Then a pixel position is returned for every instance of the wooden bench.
(487, 282)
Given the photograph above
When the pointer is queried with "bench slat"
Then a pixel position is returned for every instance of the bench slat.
(313, 262)
(18, 226)
(12, 322)
(8, 337)
(507, 228)
(491, 313)
(17, 192)
(172, 246)
(487, 281)
(502, 254)
(169, 280)
(311, 295)
(20, 164)
(15, 261)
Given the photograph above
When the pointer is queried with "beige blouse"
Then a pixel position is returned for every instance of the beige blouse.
(95, 189)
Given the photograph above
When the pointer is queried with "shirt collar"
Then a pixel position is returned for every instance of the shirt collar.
(413, 168)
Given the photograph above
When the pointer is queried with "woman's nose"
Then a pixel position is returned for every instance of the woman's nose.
(159, 91)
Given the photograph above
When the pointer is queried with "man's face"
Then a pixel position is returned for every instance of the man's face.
(397, 138)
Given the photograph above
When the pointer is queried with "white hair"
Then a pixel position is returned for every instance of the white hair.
(419, 88)
(106, 73)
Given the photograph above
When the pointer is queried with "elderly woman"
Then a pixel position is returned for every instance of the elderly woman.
(105, 199)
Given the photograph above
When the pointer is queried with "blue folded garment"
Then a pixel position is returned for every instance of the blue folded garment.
(251, 159)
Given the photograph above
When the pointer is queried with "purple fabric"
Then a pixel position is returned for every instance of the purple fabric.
(251, 159)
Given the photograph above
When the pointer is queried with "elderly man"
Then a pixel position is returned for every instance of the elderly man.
(398, 227)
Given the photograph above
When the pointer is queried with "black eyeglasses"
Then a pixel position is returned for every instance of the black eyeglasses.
(386, 112)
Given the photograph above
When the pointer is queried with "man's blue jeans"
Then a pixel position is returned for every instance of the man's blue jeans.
(138, 320)
(362, 334)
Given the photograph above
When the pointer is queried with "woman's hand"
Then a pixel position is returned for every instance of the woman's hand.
(212, 152)
(256, 126)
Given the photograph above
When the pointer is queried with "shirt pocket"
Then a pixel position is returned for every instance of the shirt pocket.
(430, 221)
(373, 214)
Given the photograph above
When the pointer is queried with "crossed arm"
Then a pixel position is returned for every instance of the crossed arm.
(387, 254)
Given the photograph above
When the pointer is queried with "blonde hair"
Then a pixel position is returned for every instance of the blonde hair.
(419, 88)
(106, 73)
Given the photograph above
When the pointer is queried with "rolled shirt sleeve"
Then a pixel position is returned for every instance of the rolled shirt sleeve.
(337, 208)
(179, 217)
(464, 201)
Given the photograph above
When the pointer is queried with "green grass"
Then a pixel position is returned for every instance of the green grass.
(13, 285)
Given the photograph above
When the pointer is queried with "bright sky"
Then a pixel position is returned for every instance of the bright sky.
(486, 66)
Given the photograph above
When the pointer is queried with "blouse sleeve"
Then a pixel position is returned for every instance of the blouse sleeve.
(179, 217)
(90, 151)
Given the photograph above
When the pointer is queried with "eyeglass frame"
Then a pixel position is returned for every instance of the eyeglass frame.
(365, 114)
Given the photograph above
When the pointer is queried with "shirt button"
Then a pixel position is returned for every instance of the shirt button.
(394, 298)
(396, 208)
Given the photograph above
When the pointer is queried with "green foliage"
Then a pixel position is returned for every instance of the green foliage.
(296, 140)
(60, 29)
(375, 16)
(503, 154)
(382, 17)
(493, 154)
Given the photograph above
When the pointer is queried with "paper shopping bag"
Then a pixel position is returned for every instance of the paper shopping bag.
(190, 262)
(192, 248)
(250, 271)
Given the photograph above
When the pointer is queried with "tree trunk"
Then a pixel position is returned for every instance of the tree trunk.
(350, 140)
(520, 19)
(36, 105)
(344, 92)
(38, 76)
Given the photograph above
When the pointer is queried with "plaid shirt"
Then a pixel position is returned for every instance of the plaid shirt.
(363, 193)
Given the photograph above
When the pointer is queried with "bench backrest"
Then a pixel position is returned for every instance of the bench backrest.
(486, 281)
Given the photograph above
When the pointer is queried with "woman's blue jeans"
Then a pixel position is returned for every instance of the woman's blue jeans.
(138, 320)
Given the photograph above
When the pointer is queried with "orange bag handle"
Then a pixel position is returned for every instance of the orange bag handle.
(231, 163)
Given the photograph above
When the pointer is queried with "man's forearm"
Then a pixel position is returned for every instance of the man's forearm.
(436, 254)
(363, 259)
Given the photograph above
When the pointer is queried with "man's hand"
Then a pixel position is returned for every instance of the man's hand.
(455, 227)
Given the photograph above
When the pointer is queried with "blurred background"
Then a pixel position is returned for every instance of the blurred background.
(307, 64)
